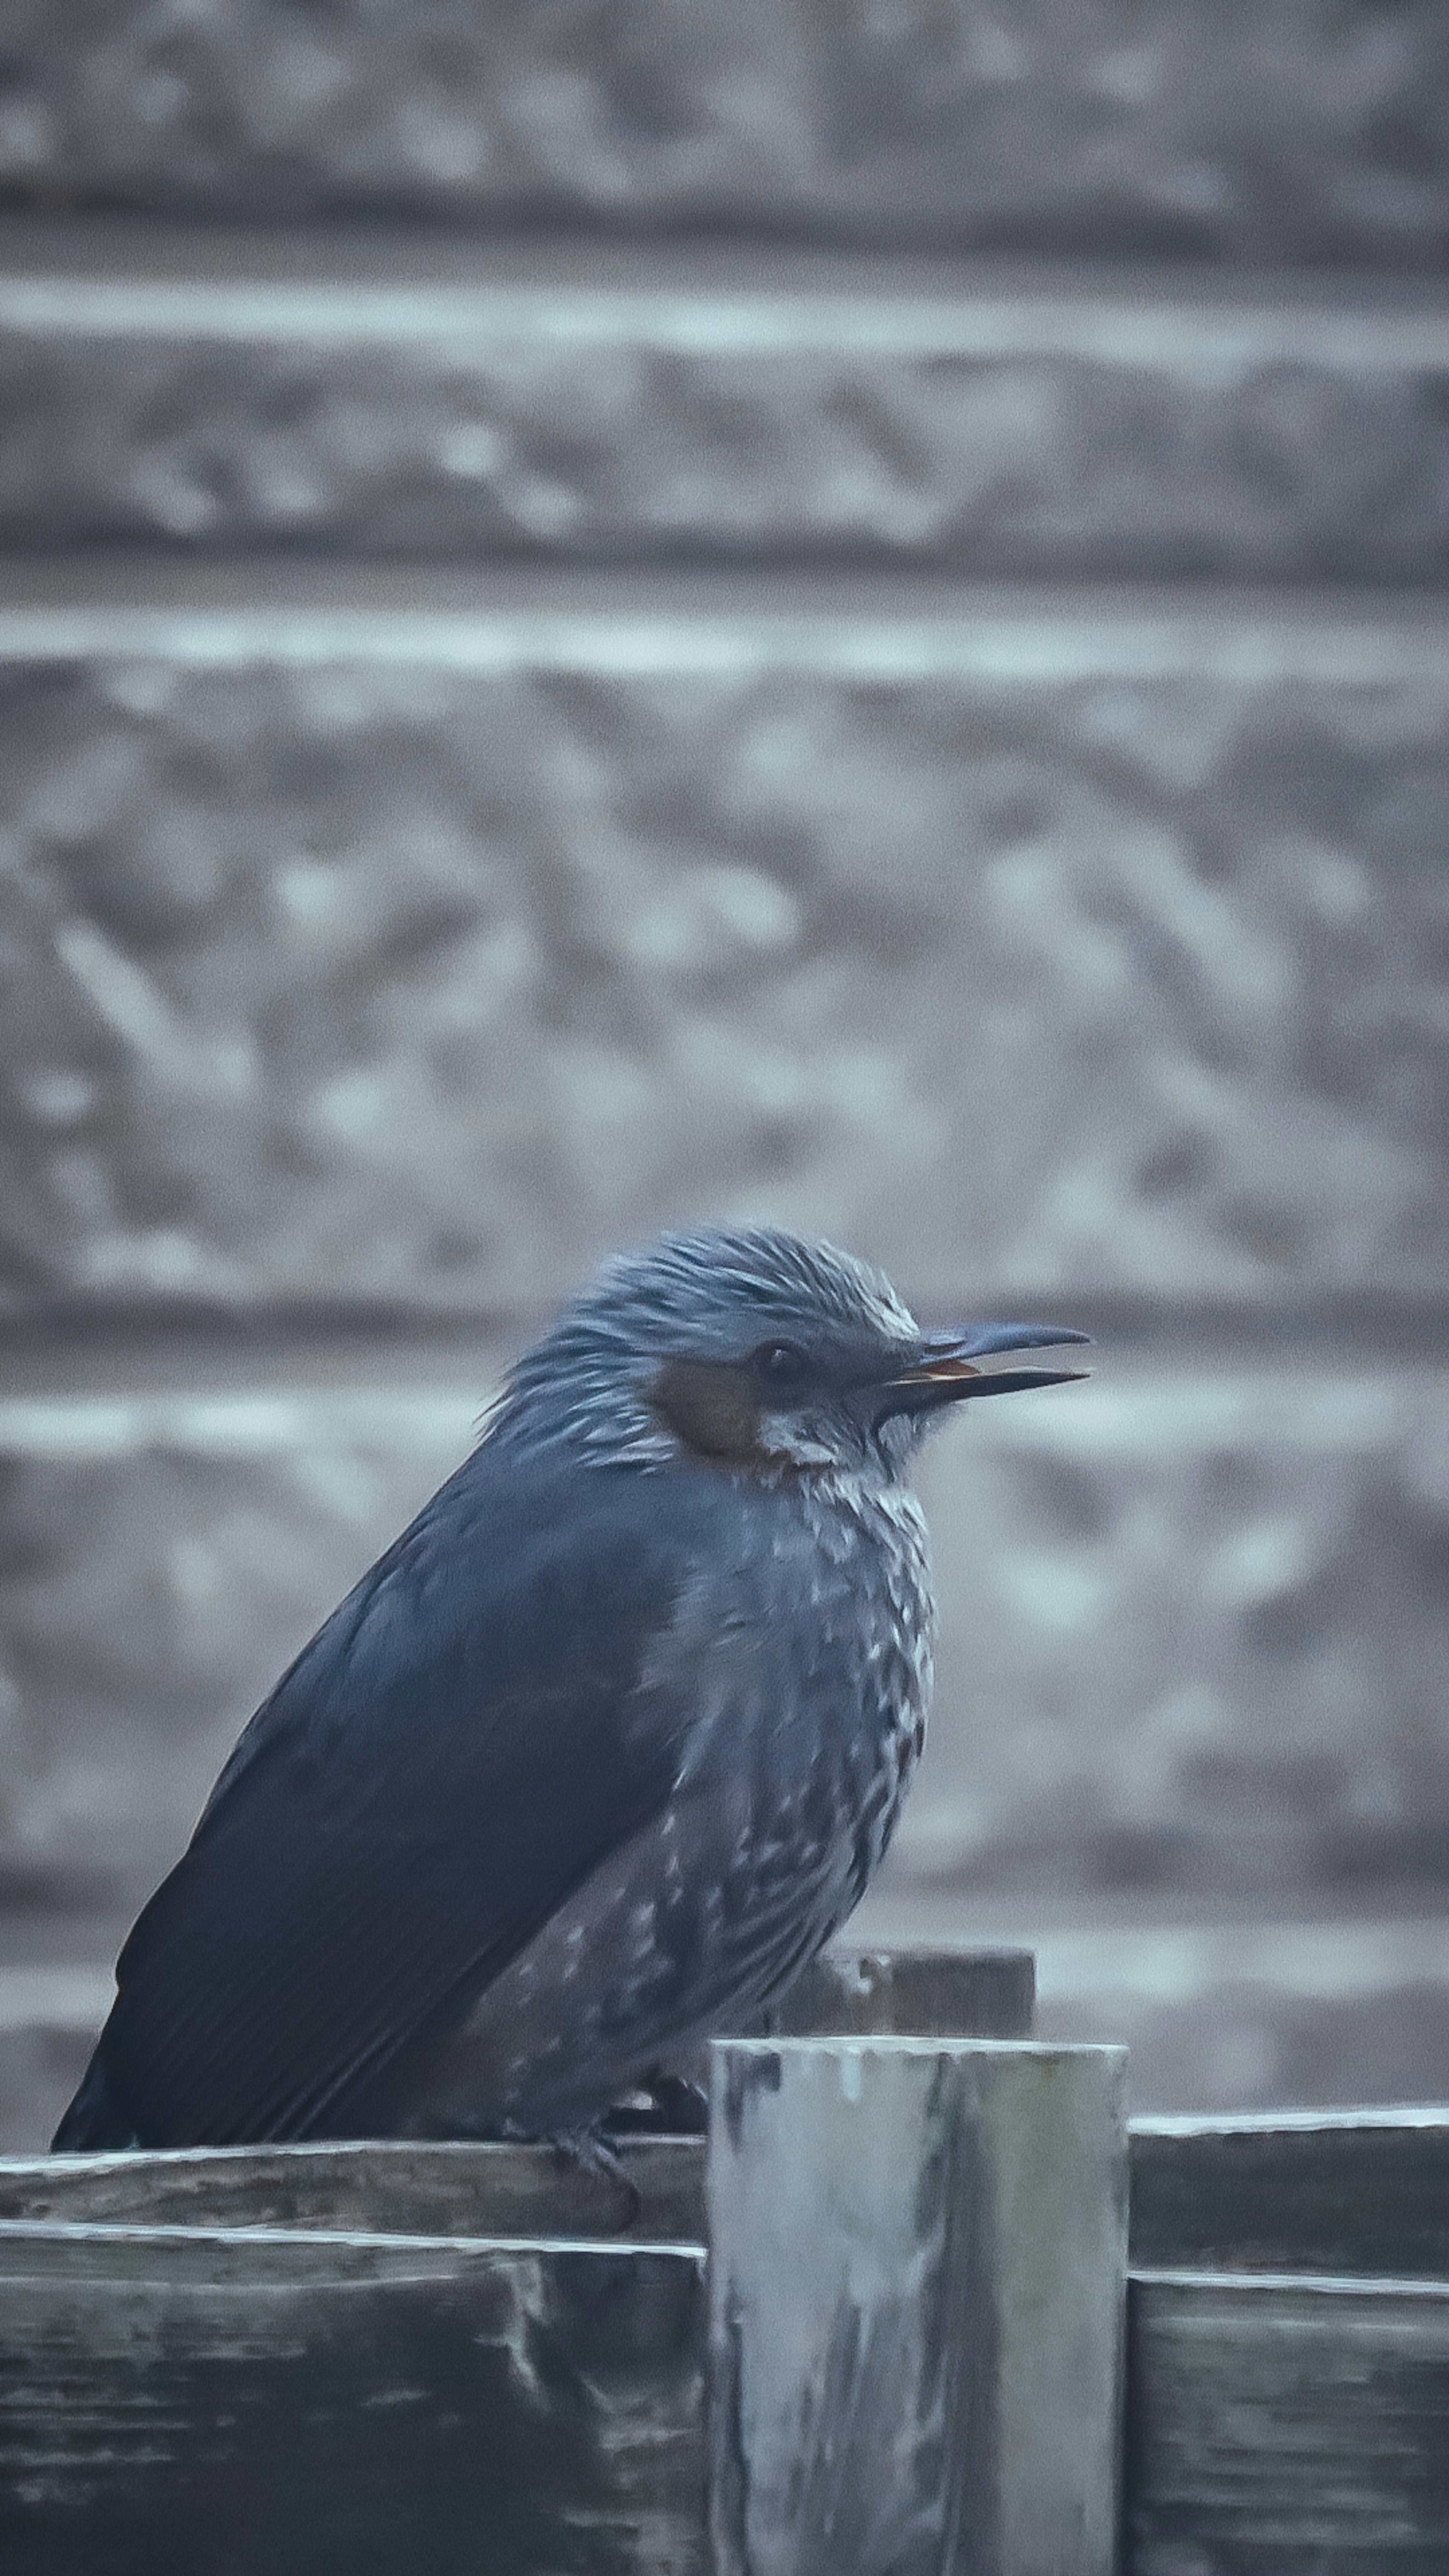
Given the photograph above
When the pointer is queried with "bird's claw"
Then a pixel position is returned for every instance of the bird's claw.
(591, 2153)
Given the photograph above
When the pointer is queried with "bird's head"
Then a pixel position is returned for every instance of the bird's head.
(759, 1354)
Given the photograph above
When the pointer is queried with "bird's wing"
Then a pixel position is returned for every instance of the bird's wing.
(694, 1921)
(450, 1756)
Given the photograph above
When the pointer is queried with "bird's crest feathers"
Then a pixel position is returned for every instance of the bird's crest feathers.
(709, 1293)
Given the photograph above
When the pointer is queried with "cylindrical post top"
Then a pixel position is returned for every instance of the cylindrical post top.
(918, 2262)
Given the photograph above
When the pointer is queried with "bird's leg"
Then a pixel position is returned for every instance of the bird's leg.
(590, 2152)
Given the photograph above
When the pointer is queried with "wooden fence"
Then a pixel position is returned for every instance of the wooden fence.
(873, 2326)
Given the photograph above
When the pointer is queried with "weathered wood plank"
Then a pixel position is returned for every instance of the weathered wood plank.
(917, 2257)
(917, 1994)
(911, 1994)
(1285, 2426)
(373, 2186)
(236, 2404)
(1297, 2191)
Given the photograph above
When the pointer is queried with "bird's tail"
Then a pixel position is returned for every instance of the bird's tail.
(97, 2118)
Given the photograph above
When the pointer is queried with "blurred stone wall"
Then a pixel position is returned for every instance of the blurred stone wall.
(508, 743)
(393, 981)
(1290, 130)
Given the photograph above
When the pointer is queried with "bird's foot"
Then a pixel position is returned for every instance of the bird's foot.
(590, 2152)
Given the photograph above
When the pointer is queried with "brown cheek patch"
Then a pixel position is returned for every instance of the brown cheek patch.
(712, 1407)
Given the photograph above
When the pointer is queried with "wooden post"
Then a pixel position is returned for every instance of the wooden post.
(919, 1994)
(917, 2271)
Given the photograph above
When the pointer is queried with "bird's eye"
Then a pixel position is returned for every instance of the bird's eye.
(781, 1366)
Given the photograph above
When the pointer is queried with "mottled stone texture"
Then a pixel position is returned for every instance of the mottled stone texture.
(1293, 128)
(1232, 2041)
(417, 985)
(521, 443)
(159, 1565)
(1193, 1627)
(43, 2056)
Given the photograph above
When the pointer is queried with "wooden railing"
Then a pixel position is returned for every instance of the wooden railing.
(871, 2327)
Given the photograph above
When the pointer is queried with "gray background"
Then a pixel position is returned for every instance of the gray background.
(831, 615)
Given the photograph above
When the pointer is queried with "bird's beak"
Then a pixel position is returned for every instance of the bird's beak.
(946, 1369)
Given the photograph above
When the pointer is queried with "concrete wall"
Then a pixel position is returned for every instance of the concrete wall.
(577, 652)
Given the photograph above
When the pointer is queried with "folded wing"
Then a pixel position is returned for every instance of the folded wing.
(452, 1755)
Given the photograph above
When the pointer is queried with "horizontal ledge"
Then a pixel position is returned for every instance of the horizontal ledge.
(73, 1341)
(1357, 1409)
(800, 2047)
(1362, 2286)
(80, 1997)
(1172, 1965)
(494, 2192)
(77, 2235)
(80, 2232)
(1372, 2118)
(239, 2260)
(851, 627)
(338, 288)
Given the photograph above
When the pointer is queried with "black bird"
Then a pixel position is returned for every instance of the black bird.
(600, 1752)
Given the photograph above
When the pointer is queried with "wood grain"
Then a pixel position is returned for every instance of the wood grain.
(374, 2187)
(1287, 2427)
(1297, 2191)
(916, 1994)
(916, 2268)
(293, 2405)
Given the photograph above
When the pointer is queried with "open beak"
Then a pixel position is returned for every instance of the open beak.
(947, 1370)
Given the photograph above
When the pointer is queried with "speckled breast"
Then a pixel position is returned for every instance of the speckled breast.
(798, 1672)
(883, 1623)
